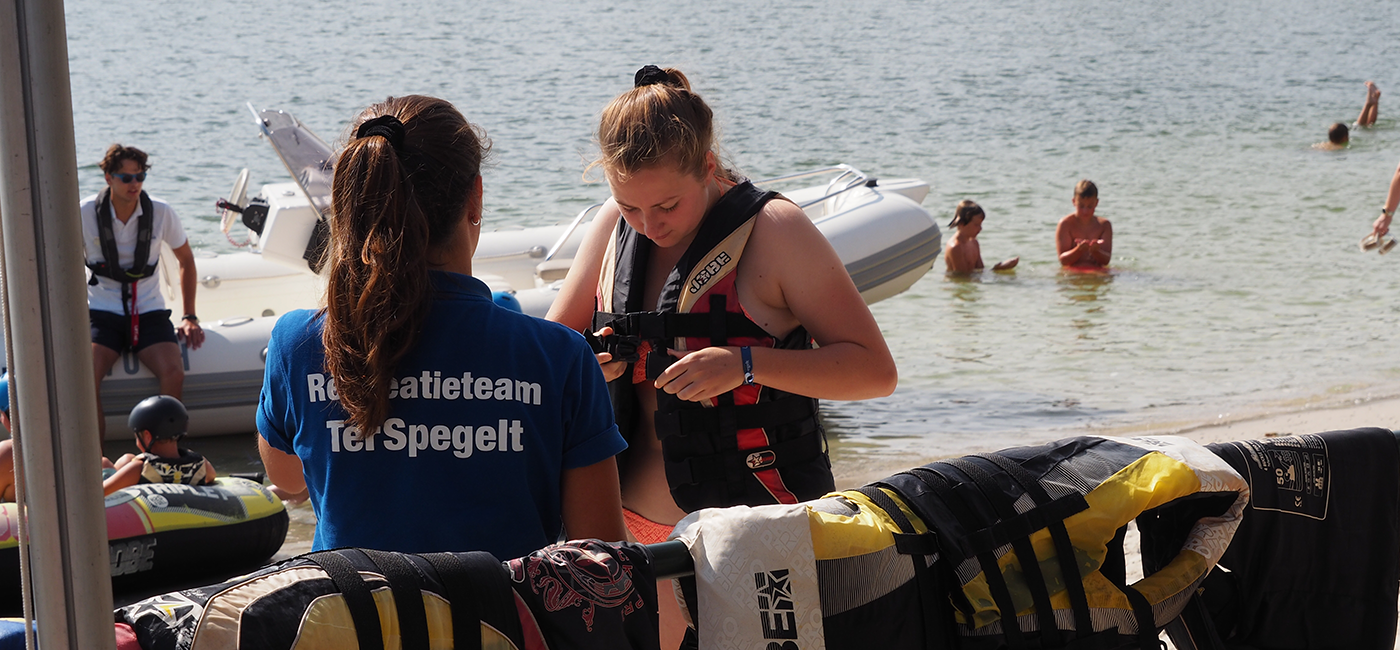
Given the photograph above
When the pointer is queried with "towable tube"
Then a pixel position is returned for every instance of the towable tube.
(166, 536)
(935, 557)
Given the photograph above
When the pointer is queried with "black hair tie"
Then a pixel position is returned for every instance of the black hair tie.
(650, 74)
(386, 125)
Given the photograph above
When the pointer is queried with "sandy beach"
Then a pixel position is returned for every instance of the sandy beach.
(1335, 413)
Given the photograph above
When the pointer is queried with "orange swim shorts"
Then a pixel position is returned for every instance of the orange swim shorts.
(644, 530)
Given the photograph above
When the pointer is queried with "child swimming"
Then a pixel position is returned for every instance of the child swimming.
(963, 254)
(1083, 239)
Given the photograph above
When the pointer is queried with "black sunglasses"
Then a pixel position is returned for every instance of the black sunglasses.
(139, 177)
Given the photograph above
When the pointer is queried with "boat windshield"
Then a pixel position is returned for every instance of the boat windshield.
(309, 160)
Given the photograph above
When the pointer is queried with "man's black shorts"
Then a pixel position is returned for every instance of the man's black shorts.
(114, 330)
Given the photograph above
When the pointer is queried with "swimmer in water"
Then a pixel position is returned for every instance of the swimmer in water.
(1339, 136)
(963, 254)
(1372, 107)
(1082, 239)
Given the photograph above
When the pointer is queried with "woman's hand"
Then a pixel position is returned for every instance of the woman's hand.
(703, 374)
(611, 369)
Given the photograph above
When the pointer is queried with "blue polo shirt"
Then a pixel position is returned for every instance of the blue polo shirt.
(486, 413)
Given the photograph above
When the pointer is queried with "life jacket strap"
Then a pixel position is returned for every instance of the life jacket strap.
(1064, 549)
(1005, 509)
(665, 325)
(705, 421)
(703, 469)
(479, 590)
(933, 582)
(363, 612)
(407, 588)
(1146, 620)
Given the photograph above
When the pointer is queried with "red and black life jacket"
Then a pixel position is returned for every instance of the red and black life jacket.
(110, 267)
(754, 445)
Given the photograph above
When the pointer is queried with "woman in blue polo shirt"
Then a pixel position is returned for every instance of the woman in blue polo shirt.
(418, 415)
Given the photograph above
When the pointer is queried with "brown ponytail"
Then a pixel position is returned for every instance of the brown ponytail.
(391, 204)
(658, 122)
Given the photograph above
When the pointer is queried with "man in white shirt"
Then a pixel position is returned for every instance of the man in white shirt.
(125, 305)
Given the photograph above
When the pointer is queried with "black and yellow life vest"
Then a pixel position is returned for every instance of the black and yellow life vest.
(583, 594)
(1020, 548)
(188, 469)
(753, 445)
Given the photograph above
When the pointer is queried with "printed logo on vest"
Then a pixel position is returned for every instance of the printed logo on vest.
(761, 459)
(776, 609)
(711, 270)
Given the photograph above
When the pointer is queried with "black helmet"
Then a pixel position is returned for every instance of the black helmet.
(164, 416)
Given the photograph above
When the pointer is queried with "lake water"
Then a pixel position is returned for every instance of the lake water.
(1238, 285)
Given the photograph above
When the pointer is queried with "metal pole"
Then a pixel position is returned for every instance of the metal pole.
(47, 311)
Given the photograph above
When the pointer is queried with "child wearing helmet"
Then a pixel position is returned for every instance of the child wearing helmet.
(158, 424)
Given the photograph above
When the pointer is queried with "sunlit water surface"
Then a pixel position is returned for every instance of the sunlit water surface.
(1238, 286)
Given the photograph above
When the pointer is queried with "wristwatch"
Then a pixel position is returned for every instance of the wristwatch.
(1387, 213)
(190, 317)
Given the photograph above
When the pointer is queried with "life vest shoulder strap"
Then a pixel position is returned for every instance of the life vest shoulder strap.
(110, 266)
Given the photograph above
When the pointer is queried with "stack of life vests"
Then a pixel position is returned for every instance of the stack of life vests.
(1015, 549)
(935, 557)
(584, 595)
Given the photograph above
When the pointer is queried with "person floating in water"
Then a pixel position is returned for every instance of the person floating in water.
(963, 254)
(1083, 239)
(1372, 107)
(159, 423)
(1339, 135)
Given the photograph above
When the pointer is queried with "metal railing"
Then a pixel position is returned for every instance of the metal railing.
(848, 179)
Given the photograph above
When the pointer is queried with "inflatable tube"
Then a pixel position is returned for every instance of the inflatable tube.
(165, 536)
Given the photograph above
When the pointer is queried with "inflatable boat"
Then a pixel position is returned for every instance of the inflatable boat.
(884, 237)
(163, 537)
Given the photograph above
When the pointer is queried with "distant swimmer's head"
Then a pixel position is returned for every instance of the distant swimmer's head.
(1086, 198)
(1338, 134)
(406, 194)
(967, 214)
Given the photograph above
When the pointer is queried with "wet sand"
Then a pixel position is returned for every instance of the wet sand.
(1341, 412)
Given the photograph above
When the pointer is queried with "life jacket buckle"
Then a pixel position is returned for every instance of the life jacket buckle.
(621, 347)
